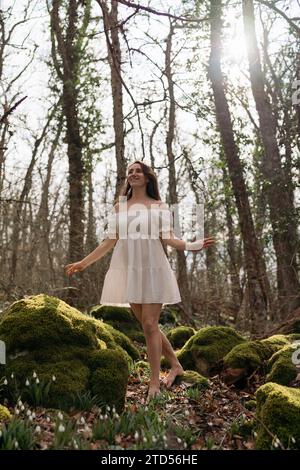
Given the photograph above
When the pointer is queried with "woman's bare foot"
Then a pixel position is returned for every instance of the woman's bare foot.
(174, 371)
(153, 391)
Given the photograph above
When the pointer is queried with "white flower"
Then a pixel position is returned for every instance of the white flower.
(38, 429)
(114, 409)
(30, 418)
(179, 440)
(27, 383)
(53, 378)
(154, 439)
(165, 438)
(17, 411)
(34, 375)
(144, 440)
(20, 403)
(5, 382)
(187, 413)
(117, 416)
(48, 419)
(12, 376)
(33, 414)
(293, 440)
(28, 412)
(75, 445)
(16, 444)
(0, 433)
(108, 408)
(82, 420)
(60, 415)
(22, 407)
(37, 380)
(185, 445)
(136, 435)
(61, 428)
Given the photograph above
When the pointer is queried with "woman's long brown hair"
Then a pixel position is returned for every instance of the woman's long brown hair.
(152, 185)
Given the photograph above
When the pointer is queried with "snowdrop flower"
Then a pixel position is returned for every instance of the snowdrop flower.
(179, 440)
(20, 403)
(0, 433)
(117, 416)
(187, 413)
(12, 376)
(144, 440)
(82, 420)
(5, 382)
(34, 375)
(28, 412)
(22, 407)
(293, 440)
(30, 418)
(108, 408)
(17, 411)
(165, 438)
(53, 378)
(114, 409)
(48, 419)
(16, 445)
(61, 428)
(154, 439)
(60, 416)
(38, 429)
(37, 380)
(136, 435)
(27, 383)
(185, 445)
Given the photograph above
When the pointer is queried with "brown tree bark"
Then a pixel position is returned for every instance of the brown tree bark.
(257, 297)
(282, 211)
(69, 55)
(173, 197)
(111, 28)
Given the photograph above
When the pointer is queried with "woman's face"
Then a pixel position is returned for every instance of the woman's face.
(135, 175)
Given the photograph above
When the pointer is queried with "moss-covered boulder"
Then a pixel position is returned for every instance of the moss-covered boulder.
(178, 336)
(4, 414)
(282, 367)
(207, 347)
(121, 319)
(169, 316)
(194, 379)
(278, 413)
(247, 357)
(45, 335)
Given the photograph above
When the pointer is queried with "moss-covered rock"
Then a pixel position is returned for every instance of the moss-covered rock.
(4, 414)
(121, 319)
(48, 336)
(278, 413)
(247, 357)
(122, 340)
(208, 346)
(178, 336)
(192, 377)
(281, 367)
(169, 316)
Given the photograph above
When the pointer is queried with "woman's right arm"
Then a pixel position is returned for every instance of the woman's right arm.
(105, 246)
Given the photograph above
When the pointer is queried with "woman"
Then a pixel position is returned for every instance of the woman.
(140, 274)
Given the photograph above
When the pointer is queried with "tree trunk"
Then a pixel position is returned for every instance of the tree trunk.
(255, 276)
(111, 27)
(282, 212)
(173, 198)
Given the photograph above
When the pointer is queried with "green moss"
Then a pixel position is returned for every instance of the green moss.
(192, 377)
(178, 336)
(208, 346)
(278, 413)
(121, 319)
(122, 340)
(250, 405)
(110, 381)
(4, 414)
(280, 366)
(46, 335)
(254, 354)
(168, 316)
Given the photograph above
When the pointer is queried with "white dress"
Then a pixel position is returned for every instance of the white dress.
(139, 270)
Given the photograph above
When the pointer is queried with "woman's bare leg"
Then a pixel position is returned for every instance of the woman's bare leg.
(167, 350)
(150, 317)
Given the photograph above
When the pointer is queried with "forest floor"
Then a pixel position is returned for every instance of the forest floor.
(180, 418)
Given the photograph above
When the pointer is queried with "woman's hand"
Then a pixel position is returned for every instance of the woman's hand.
(74, 267)
(198, 245)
